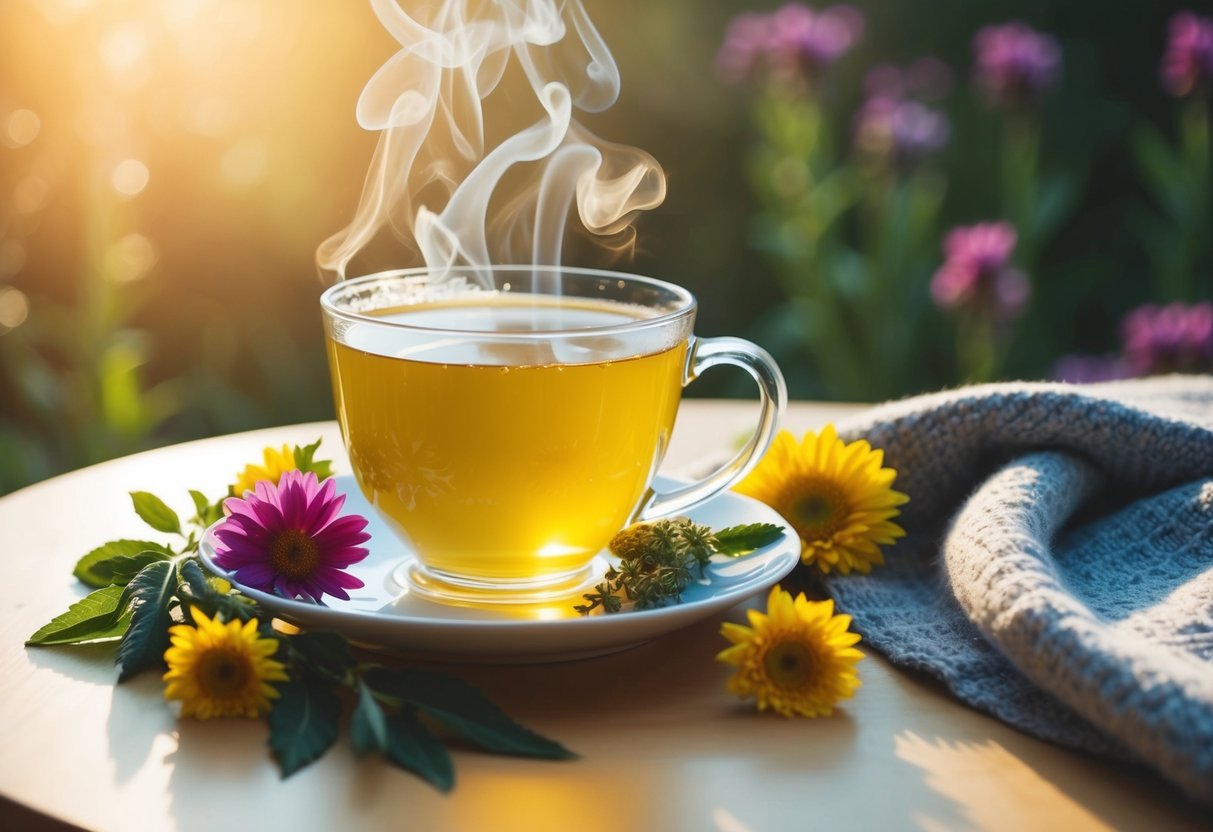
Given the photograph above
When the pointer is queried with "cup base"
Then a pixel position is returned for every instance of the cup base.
(443, 588)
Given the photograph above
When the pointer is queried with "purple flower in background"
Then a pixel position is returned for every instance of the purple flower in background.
(904, 131)
(1014, 63)
(977, 274)
(745, 46)
(1170, 338)
(1090, 369)
(809, 41)
(890, 126)
(793, 42)
(1187, 64)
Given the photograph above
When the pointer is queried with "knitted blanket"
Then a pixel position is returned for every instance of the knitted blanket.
(1058, 571)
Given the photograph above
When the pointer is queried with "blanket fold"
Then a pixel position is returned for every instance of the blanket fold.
(1058, 572)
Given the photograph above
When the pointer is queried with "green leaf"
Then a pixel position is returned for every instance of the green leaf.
(92, 618)
(206, 512)
(305, 461)
(465, 710)
(196, 583)
(155, 513)
(196, 589)
(1163, 171)
(412, 747)
(122, 569)
(303, 724)
(740, 540)
(368, 727)
(150, 593)
(324, 652)
(201, 504)
(1054, 204)
(86, 567)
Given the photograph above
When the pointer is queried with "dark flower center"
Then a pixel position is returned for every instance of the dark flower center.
(222, 674)
(789, 663)
(819, 510)
(294, 554)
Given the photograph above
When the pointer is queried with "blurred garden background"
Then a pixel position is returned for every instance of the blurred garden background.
(891, 196)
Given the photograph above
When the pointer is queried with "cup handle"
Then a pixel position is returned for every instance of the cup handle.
(773, 396)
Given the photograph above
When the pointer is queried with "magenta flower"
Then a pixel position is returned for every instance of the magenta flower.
(1172, 338)
(288, 539)
(1187, 64)
(791, 43)
(1014, 63)
(808, 41)
(903, 131)
(745, 46)
(890, 125)
(977, 275)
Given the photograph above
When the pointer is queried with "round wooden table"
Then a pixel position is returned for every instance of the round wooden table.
(662, 745)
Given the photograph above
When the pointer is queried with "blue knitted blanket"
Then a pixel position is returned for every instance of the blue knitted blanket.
(1058, 571)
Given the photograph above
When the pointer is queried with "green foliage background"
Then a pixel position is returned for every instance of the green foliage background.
(223, 333)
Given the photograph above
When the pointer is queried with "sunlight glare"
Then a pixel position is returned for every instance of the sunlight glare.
(123, 47)
(21, 128)
(130, 177)
(130, 258)
(62, 12)
(14, 308)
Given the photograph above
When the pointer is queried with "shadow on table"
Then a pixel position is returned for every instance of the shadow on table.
(137, 714)
(16, 817)
(977, 771)
(986, 782)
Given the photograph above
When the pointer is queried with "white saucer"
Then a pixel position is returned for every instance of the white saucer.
(386, 616)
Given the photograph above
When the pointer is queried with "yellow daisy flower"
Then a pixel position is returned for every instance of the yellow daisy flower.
(836, 495)
(797, 658)
(277, 463)
(218, 669)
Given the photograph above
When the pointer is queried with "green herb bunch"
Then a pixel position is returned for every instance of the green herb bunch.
(142, 588)
(658, 560)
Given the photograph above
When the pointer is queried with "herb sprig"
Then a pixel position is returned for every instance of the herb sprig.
(659, 560)
(141, 588)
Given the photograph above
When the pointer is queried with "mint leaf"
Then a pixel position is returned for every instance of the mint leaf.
(465, 710)
(412, 747)
(741, 540)
(194, 580)
(93, 618)
(305, 461)
(303, 724)
(122, 569)
(86, 567)
(150, 593)
(155, 513)
(196, 590)
(368, 727)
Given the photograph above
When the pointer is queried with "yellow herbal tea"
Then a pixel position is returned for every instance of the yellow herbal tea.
(505, 460)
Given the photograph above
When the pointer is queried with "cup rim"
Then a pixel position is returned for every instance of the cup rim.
(686, 300)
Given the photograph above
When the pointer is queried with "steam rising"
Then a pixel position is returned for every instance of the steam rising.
(432, 181)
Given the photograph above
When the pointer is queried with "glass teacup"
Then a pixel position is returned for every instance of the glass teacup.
(507, 422)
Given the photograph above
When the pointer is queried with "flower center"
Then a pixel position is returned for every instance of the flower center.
(789, 663)
(294, 554)
(818, 510)
(222, 674)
